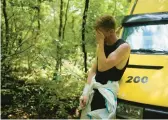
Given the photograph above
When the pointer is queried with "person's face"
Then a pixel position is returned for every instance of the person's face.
(106, 33)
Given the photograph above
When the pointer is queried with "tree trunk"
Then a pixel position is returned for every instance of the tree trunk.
(66, 14)
(63, 32)
(115, 5)
(38, 12)
(58, 59)
(5, 50)
(72, 27)
(83, 33)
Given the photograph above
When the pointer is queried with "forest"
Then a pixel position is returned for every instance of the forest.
(47, 47)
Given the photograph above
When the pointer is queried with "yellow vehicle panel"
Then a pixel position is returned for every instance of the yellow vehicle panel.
(145, 80)
(149, 6)
(155, 90)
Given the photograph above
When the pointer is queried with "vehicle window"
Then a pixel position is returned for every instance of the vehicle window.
(147, 38)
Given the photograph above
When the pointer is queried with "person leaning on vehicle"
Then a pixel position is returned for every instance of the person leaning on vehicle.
(111, 62)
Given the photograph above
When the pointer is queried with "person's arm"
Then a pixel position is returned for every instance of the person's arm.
(92, 72)
(114, 58)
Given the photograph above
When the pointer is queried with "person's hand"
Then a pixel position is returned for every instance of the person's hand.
(99, 37)
(83, 101)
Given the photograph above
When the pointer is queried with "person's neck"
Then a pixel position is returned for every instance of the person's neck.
(111, 40)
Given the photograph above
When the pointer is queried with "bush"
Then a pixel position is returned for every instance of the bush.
(43, 99)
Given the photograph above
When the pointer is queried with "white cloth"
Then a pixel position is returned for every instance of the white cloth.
(109, 92)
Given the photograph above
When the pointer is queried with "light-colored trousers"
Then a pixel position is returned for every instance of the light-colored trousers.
(109, 92)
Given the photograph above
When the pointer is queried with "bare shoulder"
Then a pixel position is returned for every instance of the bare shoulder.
(124, 47)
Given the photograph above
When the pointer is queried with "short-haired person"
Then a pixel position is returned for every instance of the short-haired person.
(100, 93)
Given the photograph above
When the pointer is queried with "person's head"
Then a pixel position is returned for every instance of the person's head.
(106, 24)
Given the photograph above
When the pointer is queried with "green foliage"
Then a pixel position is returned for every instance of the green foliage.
(29, 55)
(44, 99)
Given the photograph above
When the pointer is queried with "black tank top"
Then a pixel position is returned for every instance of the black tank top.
(112, 74)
